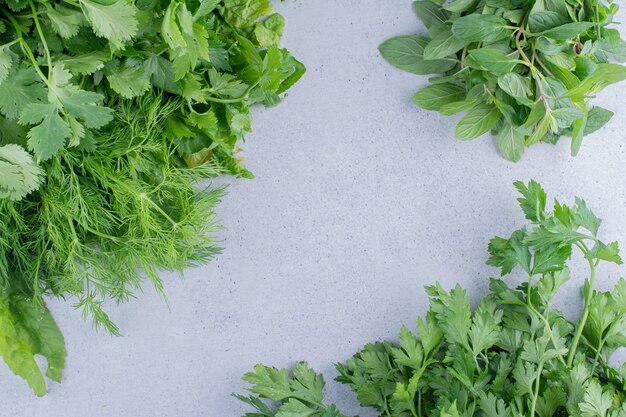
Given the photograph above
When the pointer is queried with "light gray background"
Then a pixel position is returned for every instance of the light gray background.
(360, 200)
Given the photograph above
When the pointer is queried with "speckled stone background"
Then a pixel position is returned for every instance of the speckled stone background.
(360, 200)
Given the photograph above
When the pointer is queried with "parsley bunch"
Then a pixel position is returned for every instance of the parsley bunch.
(515, 354)
(299, 394)
(113, 114)
(523, 69)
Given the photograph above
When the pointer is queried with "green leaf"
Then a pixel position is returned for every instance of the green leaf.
(585, 217)
(481, 28)
(443, 45)
(511, 142)
(568, 30)
(269, 32)
(410, 353)
(129, 82)
(508, 253)
(407, 53)
(477, 122)
(20, 89)
(609, 253)
(453, 313)
(430, 13)
(514, 85)
(456, 6)
(113, 20)
(578, 132)
(603, 76)
(533, 200)
(51, 132)
(244, 13)
(6, 62)
(595, 403)
(65, 21)
(20, 174)
(544, 20)
(596, 119)
(490, 59)
(84, 64)
(435, 96)
(28, 330)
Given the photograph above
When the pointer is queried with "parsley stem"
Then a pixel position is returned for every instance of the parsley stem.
(583, 318)
(541, 317)
(533, 405)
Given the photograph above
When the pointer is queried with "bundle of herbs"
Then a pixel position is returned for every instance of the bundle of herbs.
(523, 69)
(514, 355)
(113, 116)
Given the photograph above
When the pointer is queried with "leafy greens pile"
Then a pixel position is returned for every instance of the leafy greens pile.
(113, 114)
(514, 355)
(523, 69)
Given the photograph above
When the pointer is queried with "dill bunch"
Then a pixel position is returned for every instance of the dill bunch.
(107, 217)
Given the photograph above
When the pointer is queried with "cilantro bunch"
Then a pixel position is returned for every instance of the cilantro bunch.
(523, 69)
(62, 62)
(113, 115)
(513, 355)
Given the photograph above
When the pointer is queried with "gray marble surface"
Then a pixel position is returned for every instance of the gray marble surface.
(360, 200)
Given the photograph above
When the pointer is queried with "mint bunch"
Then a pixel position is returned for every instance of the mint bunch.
(524, 70)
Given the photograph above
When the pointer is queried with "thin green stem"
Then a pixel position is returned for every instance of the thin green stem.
(9, 44)
(598, 27)
(41, 37)
(598, 352)
(533, 405)
(26, 48)
(583, 318)
(541, 317)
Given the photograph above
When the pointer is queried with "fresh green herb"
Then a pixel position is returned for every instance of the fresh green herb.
(298, 395)
(61, 63)
(515, 354)
(524, 70)
(113, 114)
(103, 221)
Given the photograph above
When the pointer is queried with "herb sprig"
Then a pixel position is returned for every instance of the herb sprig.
(524, 70)
(514, 354)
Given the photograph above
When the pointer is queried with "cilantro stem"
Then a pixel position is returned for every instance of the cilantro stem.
(598, 27)
(41, 37)
(26, 48)
(8, 44)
